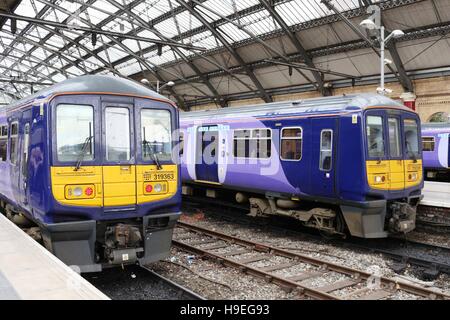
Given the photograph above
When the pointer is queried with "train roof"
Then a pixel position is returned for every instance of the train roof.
(93, 84)
(435, 125)
(333, 104)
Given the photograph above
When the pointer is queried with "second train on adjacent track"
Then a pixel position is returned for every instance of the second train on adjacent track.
(348, 164)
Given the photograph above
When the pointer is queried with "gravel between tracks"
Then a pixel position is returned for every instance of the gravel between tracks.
(359, 259)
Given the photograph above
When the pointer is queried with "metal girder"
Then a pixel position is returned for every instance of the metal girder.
(39, 22)
(296, 42)
(174, 48)
(126, 49)
(402, 76)
(262, 92)
(412, 34)
(405, 81)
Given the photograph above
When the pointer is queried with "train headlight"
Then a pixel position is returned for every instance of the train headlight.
(380, 179)
(413, 176)
(77, 192)
(158, 187)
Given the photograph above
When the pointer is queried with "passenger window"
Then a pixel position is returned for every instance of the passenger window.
(326, 149)
(241, 142)
(255, 143)
(117, 134)
(3, 142)
(428, 143)
(74, 132)
(375, 140)
(394, 137)
(291, 143)
(411, 137)
(13, 143)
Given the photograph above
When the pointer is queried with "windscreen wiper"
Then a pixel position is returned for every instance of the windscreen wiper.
(84, 148)
(154, 155)
(152, 152)
(83, 151)
(409, 150)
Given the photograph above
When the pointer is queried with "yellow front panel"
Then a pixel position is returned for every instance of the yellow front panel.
(378, 174)
(62, 177)
(413, 172)
(396, 175)
(148, 174)
(119, 185)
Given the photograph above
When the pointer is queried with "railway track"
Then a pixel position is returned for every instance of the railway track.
(432, 259)
(183, 292)
(268, 262)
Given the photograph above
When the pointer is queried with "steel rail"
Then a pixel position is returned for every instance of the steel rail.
(185, 291)
(388, 284)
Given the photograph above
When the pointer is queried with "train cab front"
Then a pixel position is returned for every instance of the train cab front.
(115, 186)
(393, 168)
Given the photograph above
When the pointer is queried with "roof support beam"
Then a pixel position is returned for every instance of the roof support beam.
(145, 25)
(401, 75)
(296, 42)
(262, 92)
(412, 34)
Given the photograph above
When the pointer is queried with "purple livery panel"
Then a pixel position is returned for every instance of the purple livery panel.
(438, 157)
(258, 174)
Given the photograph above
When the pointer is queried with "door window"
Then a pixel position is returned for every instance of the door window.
(26, 144)
(13, 147)
(117, 134)
(394, 138)
(326, 149)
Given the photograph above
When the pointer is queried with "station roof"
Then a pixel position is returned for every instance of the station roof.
(217, 50)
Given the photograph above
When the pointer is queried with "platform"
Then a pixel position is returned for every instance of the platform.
(436, 194)
(28, 271)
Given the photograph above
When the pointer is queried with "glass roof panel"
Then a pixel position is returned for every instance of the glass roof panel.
(169, 18)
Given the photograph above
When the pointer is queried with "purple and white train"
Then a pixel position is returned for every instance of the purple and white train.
(347, 164)
(436, 151)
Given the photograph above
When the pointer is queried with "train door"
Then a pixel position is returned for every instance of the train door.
(119, 169)
(395, 155)
(324, 137)
(206, 165)
(13, 154)
(23, 174)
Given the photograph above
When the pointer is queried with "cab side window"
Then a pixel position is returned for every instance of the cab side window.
(3, 142)
(13, 146)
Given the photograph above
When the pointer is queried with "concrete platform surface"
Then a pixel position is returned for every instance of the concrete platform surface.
(28, 271)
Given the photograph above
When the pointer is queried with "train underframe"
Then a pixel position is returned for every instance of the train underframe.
(90, 246)
(370, 219)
